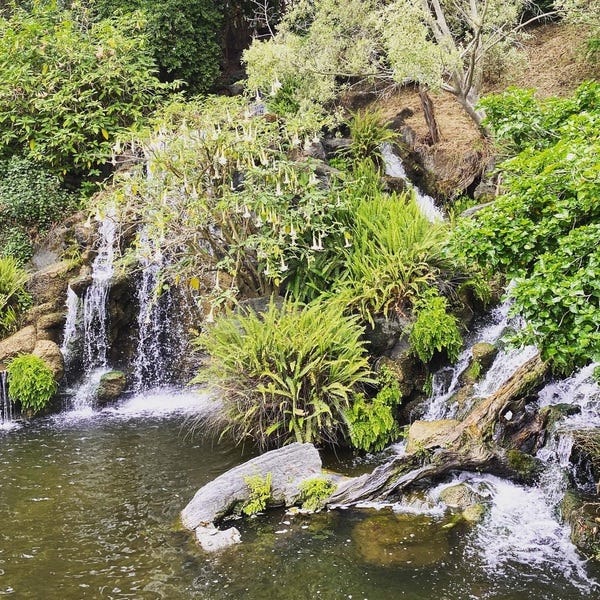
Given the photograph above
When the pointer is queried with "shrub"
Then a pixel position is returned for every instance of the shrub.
(315, 492)
(396, 253)
(30, 382)
(13, 297)
(68, 88)
(543, 231)
(288, 374)
(30, 196)
(368, 132)
(260, 493)
(434, 330)
(16, 244)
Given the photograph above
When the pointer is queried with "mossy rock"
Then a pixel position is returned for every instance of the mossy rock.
(524, 464)
(111, 386)
(394, 540)
(583, 515)
(484, 353)
(459, 496)
(474, 513)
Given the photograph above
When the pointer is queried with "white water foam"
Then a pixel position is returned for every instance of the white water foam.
(70, 333)
(395, 168)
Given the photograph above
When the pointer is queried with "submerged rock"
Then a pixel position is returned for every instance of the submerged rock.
(212, 539)
(287, 467)
(459, 495)
(394, 540)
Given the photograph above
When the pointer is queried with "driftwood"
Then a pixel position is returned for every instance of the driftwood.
(467, 446)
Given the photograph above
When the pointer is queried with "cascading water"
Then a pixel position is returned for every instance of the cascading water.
(70, 334)
(395, 168)
(95, 310)
(159, 335)
(7, 409)
(95, 318)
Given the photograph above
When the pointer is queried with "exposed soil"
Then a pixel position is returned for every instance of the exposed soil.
(554, 65)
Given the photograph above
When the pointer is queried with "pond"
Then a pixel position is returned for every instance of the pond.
(89, 508)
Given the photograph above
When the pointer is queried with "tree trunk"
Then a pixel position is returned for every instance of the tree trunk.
(429, 114)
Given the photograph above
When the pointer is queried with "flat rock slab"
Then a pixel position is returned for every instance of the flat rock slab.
(289, 467)
(212, 539)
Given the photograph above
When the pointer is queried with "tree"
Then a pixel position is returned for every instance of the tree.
(322, 46)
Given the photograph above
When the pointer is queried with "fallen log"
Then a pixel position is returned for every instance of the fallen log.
(459, 445)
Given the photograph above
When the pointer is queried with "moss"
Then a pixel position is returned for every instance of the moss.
(523, 464)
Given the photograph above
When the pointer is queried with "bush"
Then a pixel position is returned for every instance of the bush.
(16, 244)
(396, 253)
(30, 382)
(260, 493)
(68, 88)
(434, 330)
(315, 492)
(288, 374)
(183, 36)
(368, 132)
(543, 231)
(371, 423)
(13, 297)
(30, 196)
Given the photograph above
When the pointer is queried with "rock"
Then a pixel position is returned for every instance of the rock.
(315, 149)
(334, 145)
(50, 284)
(289, 467)
(524, 464)
(52, 355)
(583, 516)
(474, 513)
(429, 434)
(110, 387)
(82, 282)
(459, 496)
(22, 342)
(404, 369)
(392, 540)
(484, 353)
(212, 539)
(384, 334)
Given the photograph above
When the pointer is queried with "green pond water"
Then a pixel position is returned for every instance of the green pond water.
(89, 507)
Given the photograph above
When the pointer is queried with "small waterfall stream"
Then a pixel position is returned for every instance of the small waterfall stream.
(95, 313)
(7, 409)
(395, 168)
(71, 333)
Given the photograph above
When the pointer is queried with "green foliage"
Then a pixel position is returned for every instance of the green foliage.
(368, 132)
(434, 330)
(260, 493)
(67, 88)
(315, 492)
(395, 254)
(16, 244)
(183, 36)
(30, 382)
(544, 229)
(288, 374)
(243, 213)
(13, 296)
(30, 196)
(371, 423)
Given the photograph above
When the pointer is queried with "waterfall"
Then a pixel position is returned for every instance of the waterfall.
(95, 310)
(70, 333)
(157, 331)
(6, 406)
(395, 168)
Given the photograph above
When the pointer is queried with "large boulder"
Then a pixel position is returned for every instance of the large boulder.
(288, 467)
(22, 342)
(51, 354)
(50, 284)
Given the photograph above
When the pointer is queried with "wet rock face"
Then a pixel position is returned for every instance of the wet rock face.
(583, 515)
(394, 540)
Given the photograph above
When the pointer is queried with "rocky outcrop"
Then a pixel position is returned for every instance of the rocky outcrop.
(21, 342)
(287, 468)
(50, 352)
(583, 515)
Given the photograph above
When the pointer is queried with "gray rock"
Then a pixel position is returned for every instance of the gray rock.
(212, 539)
(289, 467)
